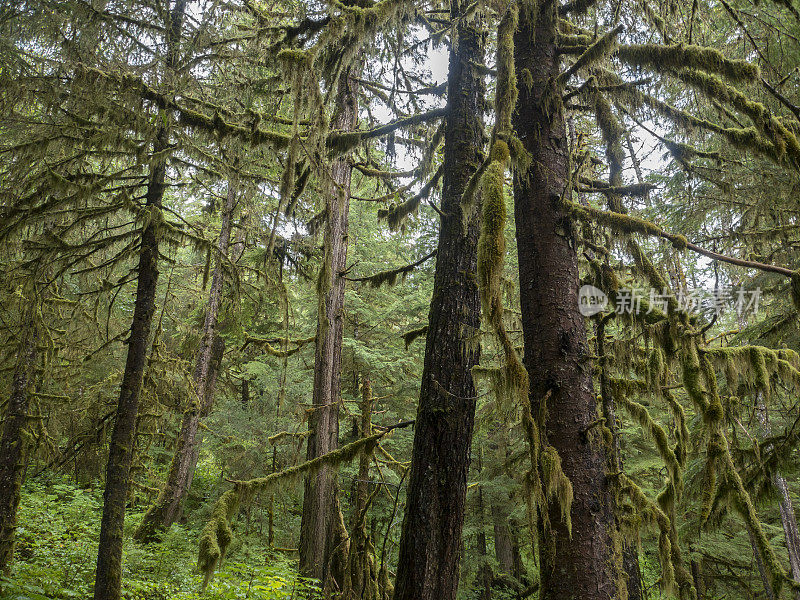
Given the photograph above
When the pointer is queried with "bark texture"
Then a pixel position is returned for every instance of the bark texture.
(430, 544)
(320, 526)
(581, 564)
(14, 443)
(108, 577)
(169, 504)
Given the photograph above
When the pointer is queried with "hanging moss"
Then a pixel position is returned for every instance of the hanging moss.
(657, 433)
(557, 485)
(687, 56)
(593, 53)
(217, 534)
(397, 214)
(651, 513)
(410, 336)
(769, 126)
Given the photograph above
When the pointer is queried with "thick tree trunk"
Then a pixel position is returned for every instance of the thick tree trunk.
(320, 530)
(169, 504)
(430, 544)
(13, 443)
(583, 563)
(108, 576)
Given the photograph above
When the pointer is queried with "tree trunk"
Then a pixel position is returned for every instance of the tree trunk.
(788, 518)
(766, 581)
(319, 526)
(430, 544)
(360, 580)
(13, 443)
(169, 504)
(108, 577)
(484, 576)
(557, 358)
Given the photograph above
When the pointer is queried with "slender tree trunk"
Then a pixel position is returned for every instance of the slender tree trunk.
(320, 531)
(13, 443)
(766, 580)
(169, 504)
(788, 517)
(485, 575)
(360, 580)
(430, 544)
(108, 579)
(108, 576)
(557, 358)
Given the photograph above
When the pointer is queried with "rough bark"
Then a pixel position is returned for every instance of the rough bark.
(430, 544)
(13, 443)
(583, 563)
(169, 504)
(108, 576)
(319, 526)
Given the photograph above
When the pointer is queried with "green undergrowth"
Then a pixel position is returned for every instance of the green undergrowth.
(58, 528)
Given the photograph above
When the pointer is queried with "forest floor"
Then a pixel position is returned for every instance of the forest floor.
(56, 552)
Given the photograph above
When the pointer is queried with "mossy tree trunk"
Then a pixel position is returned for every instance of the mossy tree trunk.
(320, 526)
(430, 544)
(14, 442)
(108, 576)
(169, 504)
(581, 563)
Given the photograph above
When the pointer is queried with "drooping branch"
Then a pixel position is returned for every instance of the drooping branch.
(390, 277)
(629, 224)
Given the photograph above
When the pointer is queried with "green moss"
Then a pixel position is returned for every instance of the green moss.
(557, 485)
(412, 335)
(681, 56)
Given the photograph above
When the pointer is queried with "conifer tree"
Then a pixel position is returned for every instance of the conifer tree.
(431, 545)
(108, 578)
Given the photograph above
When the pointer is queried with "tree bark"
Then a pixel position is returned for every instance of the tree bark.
(557, 358)
(13, 443)
(169, 504)
(108, 579)
(108, 576)
(320, 531)
(430, 543)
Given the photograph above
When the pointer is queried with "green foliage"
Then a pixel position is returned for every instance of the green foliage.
(57, 547)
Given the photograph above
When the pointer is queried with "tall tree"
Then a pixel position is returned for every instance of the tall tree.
(577, 561)
(108, 577)
(430, 543)
(14, 442)
(169, 504)
(321, 526)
